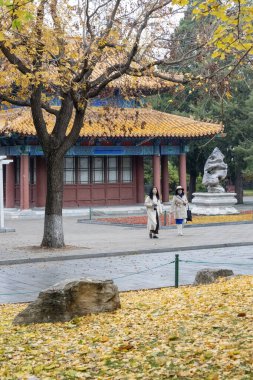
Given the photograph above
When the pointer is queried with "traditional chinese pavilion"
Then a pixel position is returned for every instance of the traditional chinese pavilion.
(105, 167)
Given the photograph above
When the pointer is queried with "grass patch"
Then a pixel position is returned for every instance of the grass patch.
(248, 192)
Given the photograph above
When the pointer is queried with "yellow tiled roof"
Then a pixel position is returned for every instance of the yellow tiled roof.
(116, 122)
(147, 82)
(142, 84)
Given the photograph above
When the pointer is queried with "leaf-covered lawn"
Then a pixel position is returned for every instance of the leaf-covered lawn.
(203, 333)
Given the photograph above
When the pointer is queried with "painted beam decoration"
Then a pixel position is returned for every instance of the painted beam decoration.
(36, 150)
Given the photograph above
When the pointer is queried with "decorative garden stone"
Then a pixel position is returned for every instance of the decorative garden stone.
(215, 201)
(69, 299)
(208, 276)
(215, 170)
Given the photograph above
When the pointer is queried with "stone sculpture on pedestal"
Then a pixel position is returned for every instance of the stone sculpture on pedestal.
(215, 170)
(216, 201)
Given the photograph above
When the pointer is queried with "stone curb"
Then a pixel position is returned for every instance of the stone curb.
(124, 253)
(4, 230)
(163, 227)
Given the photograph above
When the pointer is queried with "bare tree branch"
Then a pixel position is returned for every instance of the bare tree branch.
(75, 131)
(175, 78)
(84, 70)
(238, 62)
(96, 90)
(121, 69)
(63, 117)
(111, 20)
(14, 60)
(58, 28)
(99, 7)
(27, 103)
(37, 61)
(164, 62)
(15, 102)
(88, 21)
(38, 119)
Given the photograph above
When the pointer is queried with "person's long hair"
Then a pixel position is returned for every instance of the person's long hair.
(151, 193)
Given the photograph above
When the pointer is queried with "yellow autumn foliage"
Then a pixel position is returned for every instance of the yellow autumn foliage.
(202, 219)
(200, 333)
(234, 31)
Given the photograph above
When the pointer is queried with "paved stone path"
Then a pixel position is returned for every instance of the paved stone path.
(20, 283)
(118, 252)
(91, 239)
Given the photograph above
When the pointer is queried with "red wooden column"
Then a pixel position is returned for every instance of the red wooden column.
(165, 178)
(10, 185)
(24, 182)
(41, 181)
(182, 171)
(157, 172)
(139, 179)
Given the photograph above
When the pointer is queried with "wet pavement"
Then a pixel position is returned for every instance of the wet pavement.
(85, 239)
(124, 254)
(22, 282)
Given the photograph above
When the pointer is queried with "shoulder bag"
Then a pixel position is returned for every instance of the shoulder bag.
(189, 215)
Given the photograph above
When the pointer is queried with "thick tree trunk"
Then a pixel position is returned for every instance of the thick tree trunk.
(239, 186)
(192, 186)
(53, 226)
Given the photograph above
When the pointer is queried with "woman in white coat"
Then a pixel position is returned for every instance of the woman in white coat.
(179, 208)
(154, 210)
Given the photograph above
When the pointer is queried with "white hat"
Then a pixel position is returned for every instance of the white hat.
(179, 187)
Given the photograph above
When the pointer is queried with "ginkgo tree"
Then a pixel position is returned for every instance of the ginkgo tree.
(233, 33)
(71, 50)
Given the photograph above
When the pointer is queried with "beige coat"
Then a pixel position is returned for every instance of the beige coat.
(151, 224)
(179, 207)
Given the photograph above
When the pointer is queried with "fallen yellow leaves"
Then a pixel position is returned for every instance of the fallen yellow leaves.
(197, 219)
(200, 333)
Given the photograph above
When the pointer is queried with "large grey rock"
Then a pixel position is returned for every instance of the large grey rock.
(216, 201)
(215, 170)
(71, 298)
(208, 276)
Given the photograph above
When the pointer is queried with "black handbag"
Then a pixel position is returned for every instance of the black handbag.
(189, 215)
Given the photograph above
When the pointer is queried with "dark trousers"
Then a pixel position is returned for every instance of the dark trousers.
(157, 224)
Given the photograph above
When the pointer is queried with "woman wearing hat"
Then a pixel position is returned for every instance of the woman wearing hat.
(179, 209)
(154, 210)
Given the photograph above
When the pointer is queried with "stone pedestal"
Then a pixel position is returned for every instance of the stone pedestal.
(214, 204)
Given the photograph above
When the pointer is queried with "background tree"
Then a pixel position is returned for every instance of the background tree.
(233, 33)
(148, 174)
(234, 110)
(219, 91)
